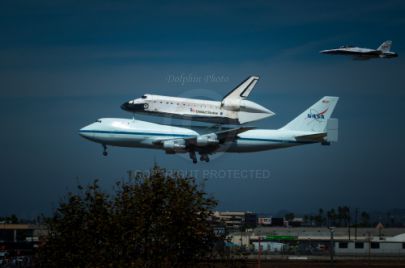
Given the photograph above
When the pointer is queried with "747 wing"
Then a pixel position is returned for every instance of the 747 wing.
(204, 144)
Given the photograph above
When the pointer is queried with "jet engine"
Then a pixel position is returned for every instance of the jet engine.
(207, 140)
(174, 146)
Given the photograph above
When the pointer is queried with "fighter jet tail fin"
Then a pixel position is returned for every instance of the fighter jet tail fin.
(243, 90)
(386, 46)
(315, 118)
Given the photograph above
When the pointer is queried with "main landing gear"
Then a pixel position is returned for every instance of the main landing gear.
(203, 157)
(193, 157)
(105, 153)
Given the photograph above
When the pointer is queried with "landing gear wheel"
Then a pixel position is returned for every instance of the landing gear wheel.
(105, 153)
(204, 157)
(193, 157)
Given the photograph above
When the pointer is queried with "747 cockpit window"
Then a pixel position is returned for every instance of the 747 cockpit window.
(98, 121)
(143, 97)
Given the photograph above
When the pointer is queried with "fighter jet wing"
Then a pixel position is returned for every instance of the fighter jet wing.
(372, 52)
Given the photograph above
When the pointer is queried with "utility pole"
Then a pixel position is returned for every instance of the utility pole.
(259, 254)
(348, 220)
(332, 244)
(369, 247)
(355, 224)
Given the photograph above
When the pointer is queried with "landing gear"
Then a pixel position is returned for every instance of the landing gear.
(105, 153)
(193, 157)
(204, 157)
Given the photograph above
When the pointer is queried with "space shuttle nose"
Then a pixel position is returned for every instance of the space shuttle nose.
(133, 107)
(125, 106)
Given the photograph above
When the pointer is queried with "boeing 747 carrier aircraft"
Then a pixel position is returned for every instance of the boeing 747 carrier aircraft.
(232, 109)
(359, 53)
(314, 125)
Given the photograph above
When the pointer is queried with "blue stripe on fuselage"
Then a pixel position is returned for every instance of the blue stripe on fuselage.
(135, 133)
(275, 140)
(187, 136)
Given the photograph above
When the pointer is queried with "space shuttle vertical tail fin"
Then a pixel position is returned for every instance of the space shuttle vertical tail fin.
(385, 47)
(315, 118)
(243, 90)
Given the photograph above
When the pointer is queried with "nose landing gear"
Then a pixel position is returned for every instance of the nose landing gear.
(105, 153)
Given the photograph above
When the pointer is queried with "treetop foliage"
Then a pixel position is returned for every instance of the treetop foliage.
(151, 220)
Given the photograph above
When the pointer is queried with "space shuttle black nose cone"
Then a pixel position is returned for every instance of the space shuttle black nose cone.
(125, 106)
(133, 107)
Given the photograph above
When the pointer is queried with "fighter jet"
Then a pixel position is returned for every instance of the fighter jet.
(232, 109)
(314, 125)
(359, 53)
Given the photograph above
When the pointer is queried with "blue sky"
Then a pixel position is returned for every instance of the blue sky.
(64, 64)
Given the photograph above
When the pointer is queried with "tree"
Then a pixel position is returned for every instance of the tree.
(343, 216)
(364, 219)
(289, 216)
(152, 220)
(320, 219)
(346, 215)
(306, 219)
(331, 214)
(340, 215)
(12, 219)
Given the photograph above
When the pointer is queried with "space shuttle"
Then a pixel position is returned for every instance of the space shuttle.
(233, 109)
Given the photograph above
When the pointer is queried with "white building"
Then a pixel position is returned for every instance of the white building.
(372, 246)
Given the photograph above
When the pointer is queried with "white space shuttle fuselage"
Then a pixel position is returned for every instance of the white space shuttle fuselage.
(233, 109)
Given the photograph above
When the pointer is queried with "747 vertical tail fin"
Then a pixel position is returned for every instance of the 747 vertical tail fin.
(315, 118)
